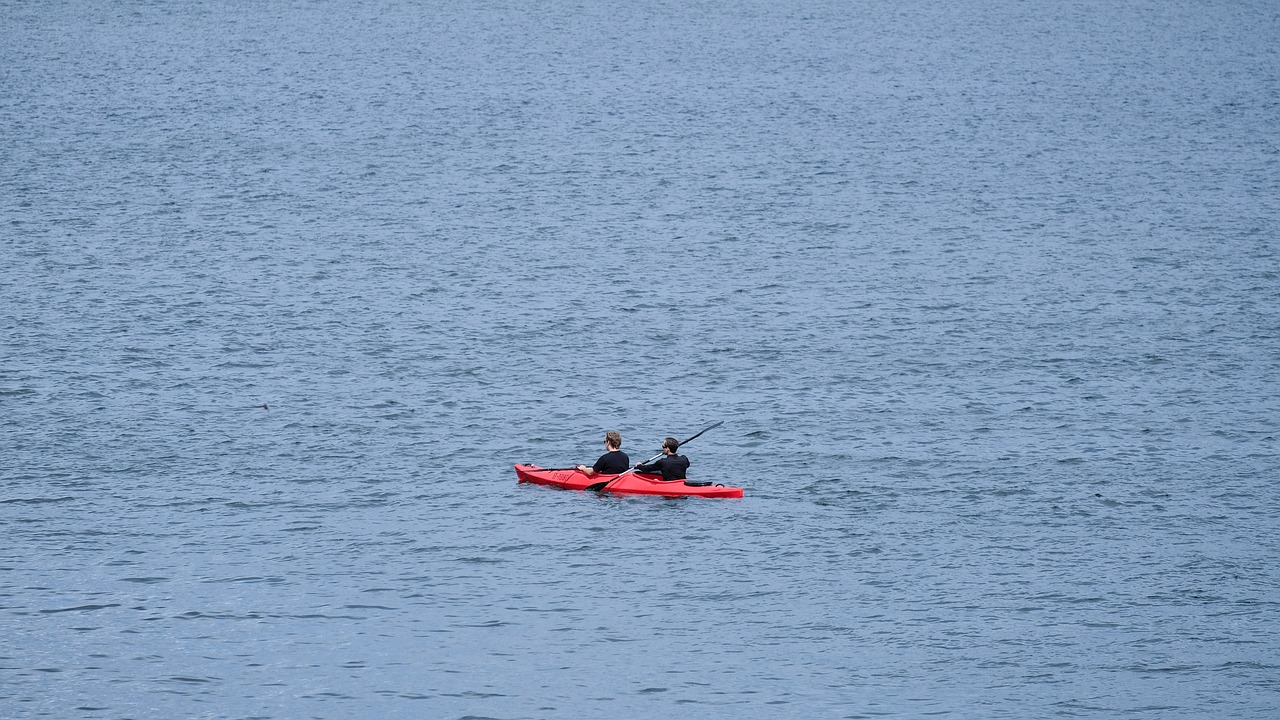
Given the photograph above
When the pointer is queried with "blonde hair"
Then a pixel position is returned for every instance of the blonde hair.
(613, 438)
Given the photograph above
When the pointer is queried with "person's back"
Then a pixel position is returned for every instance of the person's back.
(613, 462)
(671, 466)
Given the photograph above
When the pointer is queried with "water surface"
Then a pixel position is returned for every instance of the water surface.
(986, 295)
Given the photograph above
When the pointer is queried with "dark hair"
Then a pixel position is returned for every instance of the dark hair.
(672, 443)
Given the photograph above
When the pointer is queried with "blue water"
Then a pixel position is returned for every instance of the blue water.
(987, 294)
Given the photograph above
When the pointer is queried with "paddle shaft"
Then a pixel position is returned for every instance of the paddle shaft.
(600, 486)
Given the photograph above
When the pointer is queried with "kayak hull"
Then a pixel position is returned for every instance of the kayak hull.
(632, 483)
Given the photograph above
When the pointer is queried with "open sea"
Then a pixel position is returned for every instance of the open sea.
(987, 295)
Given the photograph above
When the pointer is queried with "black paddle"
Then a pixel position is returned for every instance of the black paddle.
(601, 485)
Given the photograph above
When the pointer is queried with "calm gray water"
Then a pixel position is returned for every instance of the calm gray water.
(987, 294)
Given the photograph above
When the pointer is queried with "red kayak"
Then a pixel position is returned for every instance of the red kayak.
(632, 483)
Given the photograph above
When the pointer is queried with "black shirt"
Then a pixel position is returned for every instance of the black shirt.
(612, 463)
(672, 467)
